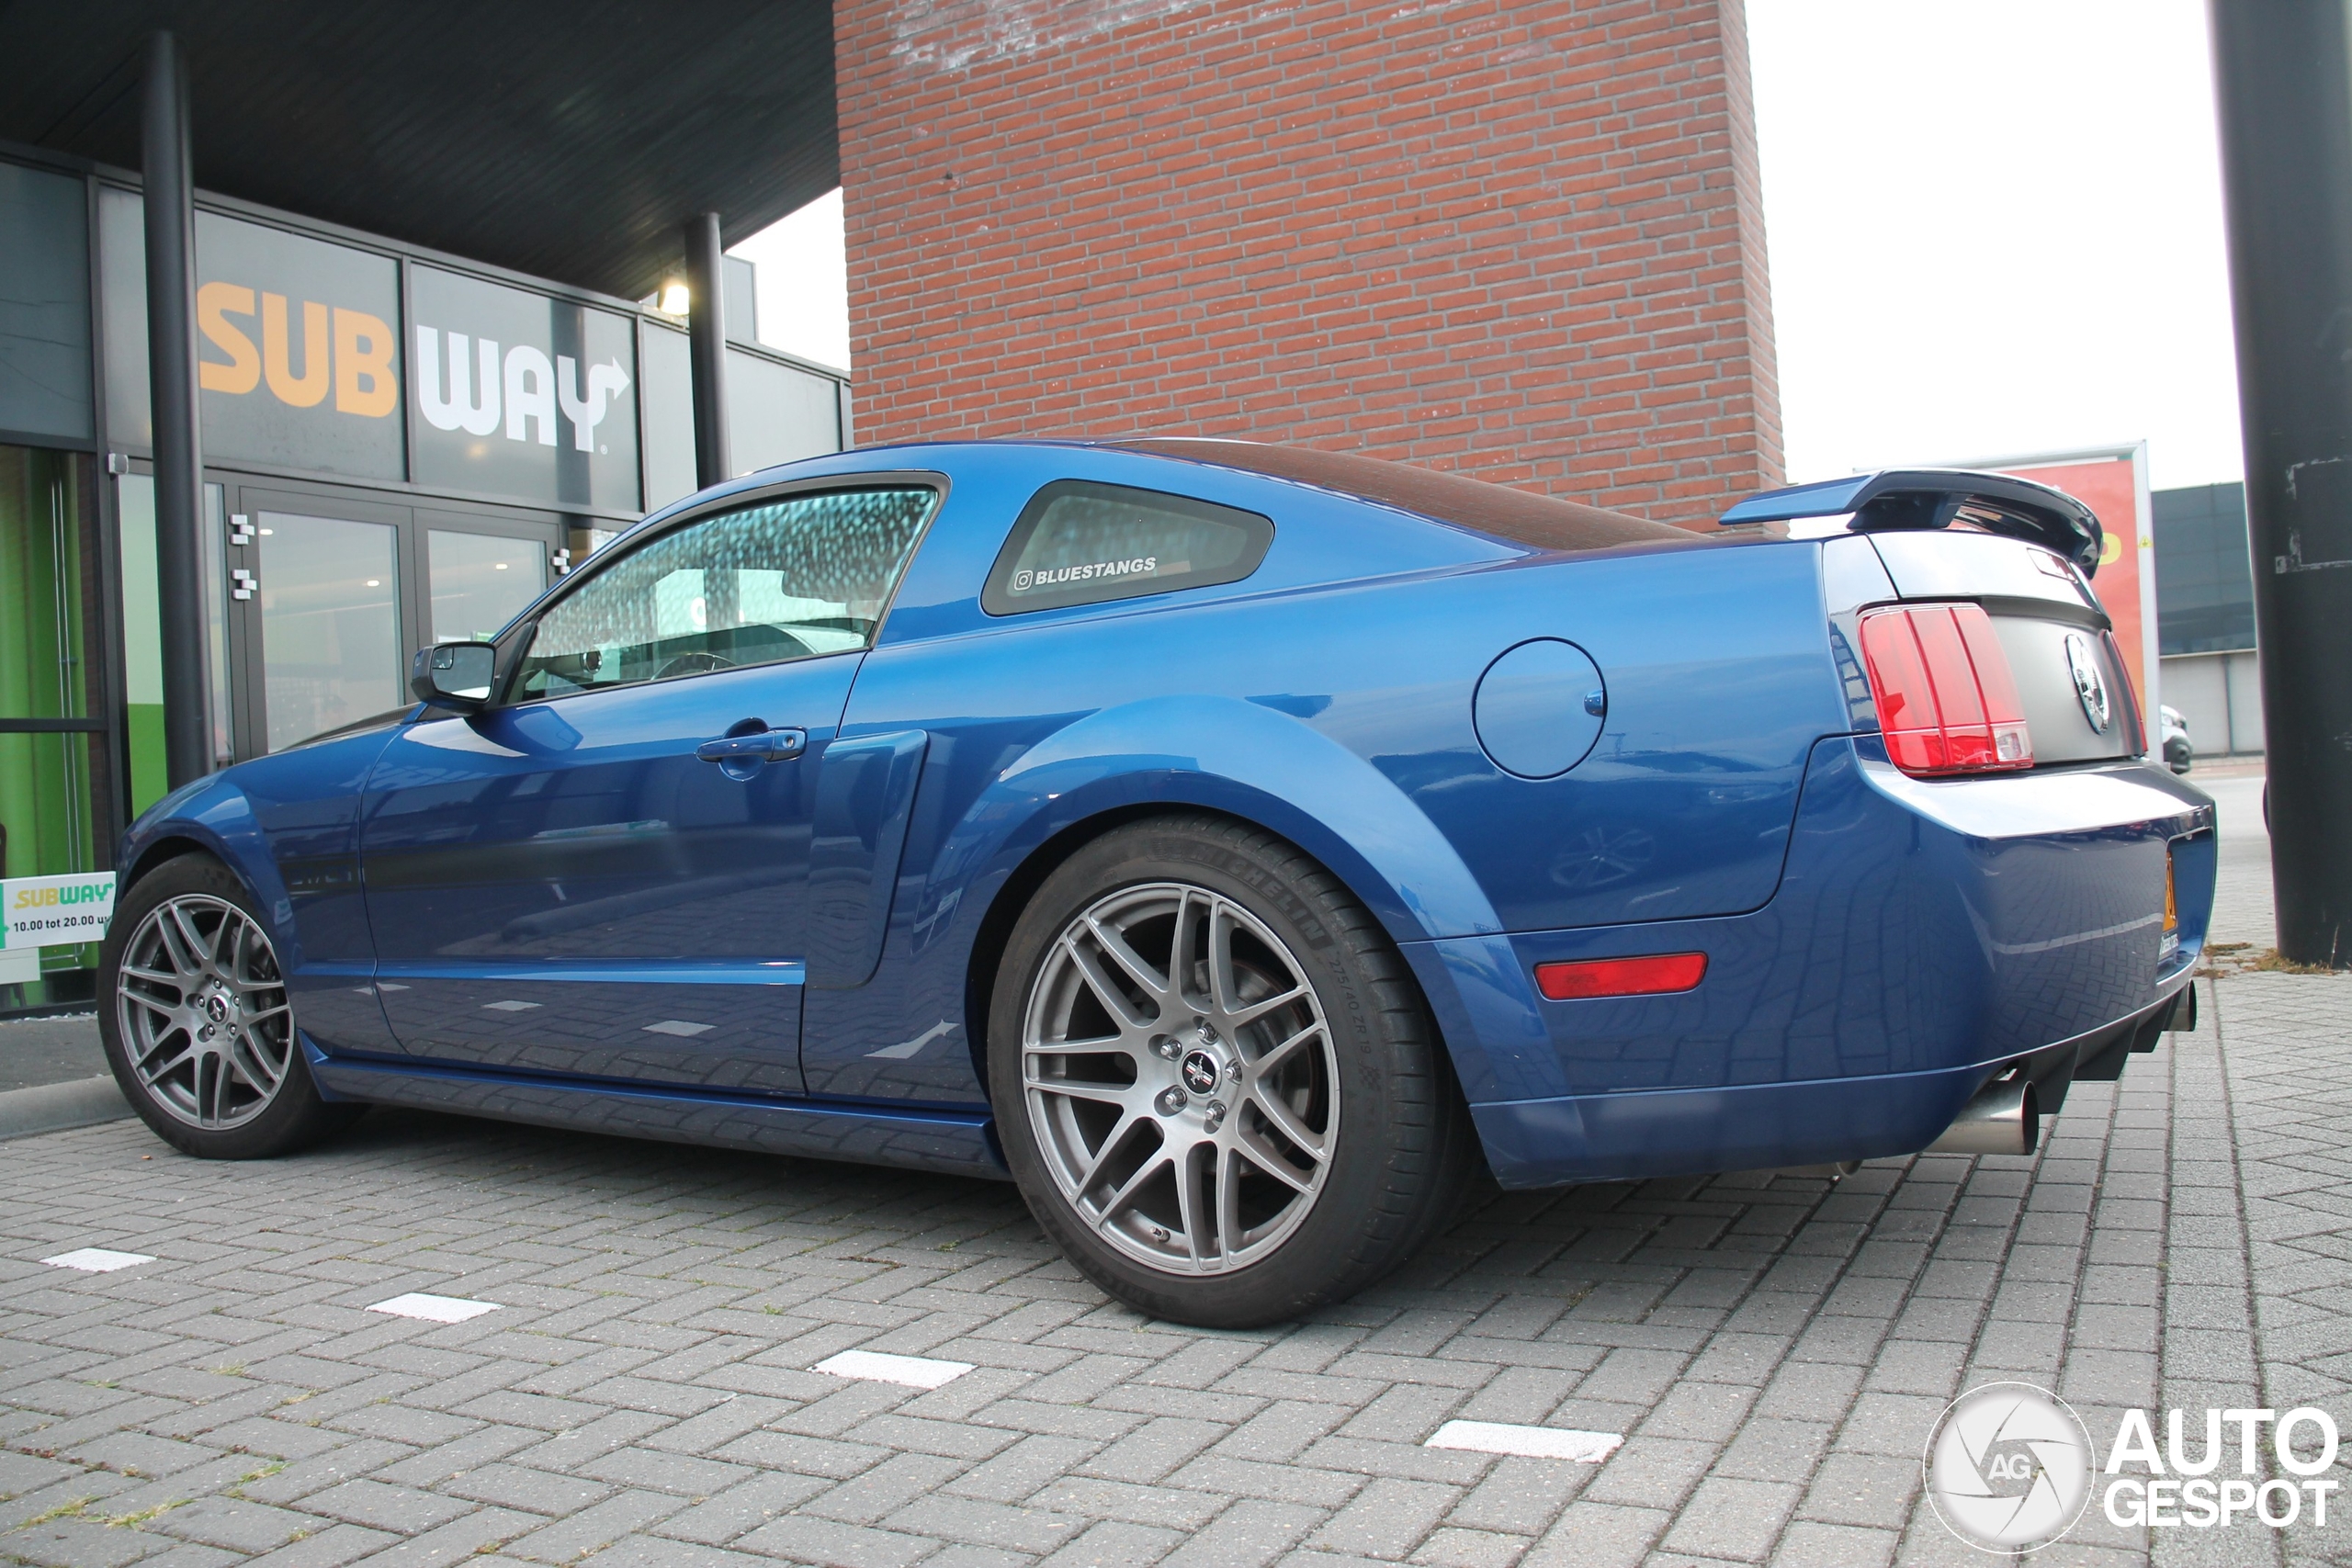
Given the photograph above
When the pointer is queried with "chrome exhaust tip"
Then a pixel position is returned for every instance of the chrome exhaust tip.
(2002, 1118)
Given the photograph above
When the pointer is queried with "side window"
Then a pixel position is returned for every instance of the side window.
(1080, 543)
(787, 579)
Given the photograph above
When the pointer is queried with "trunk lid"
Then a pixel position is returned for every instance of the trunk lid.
(2062, 651)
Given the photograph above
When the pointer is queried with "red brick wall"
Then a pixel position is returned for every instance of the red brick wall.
(1516, 238)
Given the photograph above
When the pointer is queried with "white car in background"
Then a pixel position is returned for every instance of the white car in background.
(2180, 754)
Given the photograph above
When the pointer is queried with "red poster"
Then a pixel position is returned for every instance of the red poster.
(2109, 487)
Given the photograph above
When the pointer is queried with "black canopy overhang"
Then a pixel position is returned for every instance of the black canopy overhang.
(568, 141)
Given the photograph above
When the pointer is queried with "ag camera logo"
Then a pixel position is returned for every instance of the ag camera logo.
(1022, 580)
(2008, 1467)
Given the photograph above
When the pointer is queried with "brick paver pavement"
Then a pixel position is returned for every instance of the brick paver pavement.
(1775, 1347)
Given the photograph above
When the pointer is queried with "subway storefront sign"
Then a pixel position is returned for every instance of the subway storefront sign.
(298, 360)
(329, 358)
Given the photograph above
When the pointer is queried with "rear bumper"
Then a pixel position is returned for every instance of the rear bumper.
(1924, 937)
(1615, 1138)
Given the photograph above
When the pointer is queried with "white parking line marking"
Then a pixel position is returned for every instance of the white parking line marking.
(96, 1260)
(915, 1372)
(434, 1309)
(508, 1006)
(679, 1027)
(1529, 1442)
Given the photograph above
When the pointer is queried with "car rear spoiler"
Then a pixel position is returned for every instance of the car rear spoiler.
(1932, 498)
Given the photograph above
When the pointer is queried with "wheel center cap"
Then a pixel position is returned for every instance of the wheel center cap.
(216, 1007)
(1201, 1072)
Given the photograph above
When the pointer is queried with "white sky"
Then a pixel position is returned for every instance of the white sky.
(1996, 230)
(804, 282)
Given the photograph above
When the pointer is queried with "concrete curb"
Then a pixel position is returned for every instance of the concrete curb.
(53, 1107)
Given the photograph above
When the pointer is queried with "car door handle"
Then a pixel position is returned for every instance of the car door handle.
(767, 746)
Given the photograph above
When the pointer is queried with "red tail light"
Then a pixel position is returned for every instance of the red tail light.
(1945, 698)
(1647, 976)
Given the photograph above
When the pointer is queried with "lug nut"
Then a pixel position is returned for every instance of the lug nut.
(1216, 1115)
(1163, 1046)
(1171, 1100)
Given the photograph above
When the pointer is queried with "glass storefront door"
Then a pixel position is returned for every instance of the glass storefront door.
(329, 590)
(331, 644)
(477, 581)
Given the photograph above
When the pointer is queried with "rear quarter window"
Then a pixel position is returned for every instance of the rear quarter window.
(1078, 542)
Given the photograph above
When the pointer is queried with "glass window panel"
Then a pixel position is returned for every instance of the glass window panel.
(669, 405)
(143, 633)
(789, 579)
(51, 803)
(122, 287)
(330, 633)
(480, 582)
(1078, 542)
(216, 618)
(44, 302)
(777, 413)
(47, 827)
(142, 641)
(44, 672)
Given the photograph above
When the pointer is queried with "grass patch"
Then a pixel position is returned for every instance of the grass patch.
(73, 1510)
(2223, 959)
(2270, 961)
(132, 1521)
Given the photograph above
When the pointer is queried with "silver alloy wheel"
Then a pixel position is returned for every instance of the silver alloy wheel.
(1180, 1078)
(203, 1012)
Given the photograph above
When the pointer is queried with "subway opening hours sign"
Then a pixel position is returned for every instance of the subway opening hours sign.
(55, 911)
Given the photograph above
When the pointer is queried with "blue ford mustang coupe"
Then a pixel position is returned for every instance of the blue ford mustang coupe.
(1235, 845)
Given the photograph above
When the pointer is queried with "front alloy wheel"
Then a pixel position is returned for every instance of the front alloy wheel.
(1178, 1077)
(203, 1012)
(197, 1021)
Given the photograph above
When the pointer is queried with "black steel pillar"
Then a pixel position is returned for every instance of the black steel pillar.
(171, 370)
(707, 302)
(2282, 75)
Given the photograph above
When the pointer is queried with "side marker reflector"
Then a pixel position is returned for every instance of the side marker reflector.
(1648, 977)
